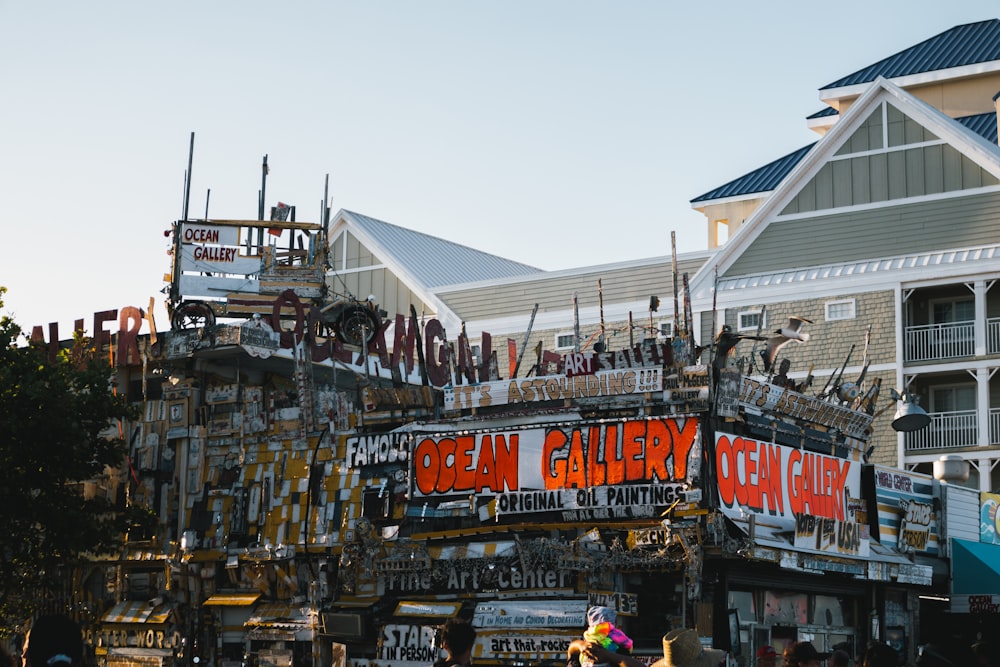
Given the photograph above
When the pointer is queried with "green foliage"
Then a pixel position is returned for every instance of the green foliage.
(58, 429)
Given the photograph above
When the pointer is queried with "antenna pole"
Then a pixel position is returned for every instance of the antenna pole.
(187, 183)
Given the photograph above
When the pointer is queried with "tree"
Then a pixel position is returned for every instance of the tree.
(58, 429)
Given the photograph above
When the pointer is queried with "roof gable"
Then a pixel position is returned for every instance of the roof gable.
(931, 121)
(432, 261)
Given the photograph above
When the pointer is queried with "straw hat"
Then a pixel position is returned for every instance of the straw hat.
(681, 648)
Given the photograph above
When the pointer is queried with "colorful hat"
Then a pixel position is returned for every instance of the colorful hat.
(766, 651)
(597, 615)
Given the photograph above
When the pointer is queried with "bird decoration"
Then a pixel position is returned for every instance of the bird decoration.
(723, 346)
(791, 331)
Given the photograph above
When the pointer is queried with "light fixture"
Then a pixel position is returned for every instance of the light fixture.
(909, 415)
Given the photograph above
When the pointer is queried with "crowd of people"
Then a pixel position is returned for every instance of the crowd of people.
(56, 641)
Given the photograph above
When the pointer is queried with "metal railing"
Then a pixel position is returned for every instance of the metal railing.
(950, 430)
(993, 335)
(941, 341)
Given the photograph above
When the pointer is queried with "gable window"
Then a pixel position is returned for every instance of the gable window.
(666, 329)
(750, 319)
(565, 341)
(840, 310)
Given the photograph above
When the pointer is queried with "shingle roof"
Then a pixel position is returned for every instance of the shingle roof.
(768, 177)
(962, 45)
(435, 261)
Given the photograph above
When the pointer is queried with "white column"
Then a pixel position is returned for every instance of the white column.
(983, 404)
(979, 290)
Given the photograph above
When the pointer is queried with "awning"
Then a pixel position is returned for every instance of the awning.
(231, 600)
(473, 550)
(137, 612)
(975, 568)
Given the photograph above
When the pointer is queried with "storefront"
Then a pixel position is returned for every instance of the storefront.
(138, 634)
(231, 612)
(283, 635)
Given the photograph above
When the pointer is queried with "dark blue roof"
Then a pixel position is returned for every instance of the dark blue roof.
(770, 175)
(962, 45)
(829, 111)
(983, 124)
(764, 179)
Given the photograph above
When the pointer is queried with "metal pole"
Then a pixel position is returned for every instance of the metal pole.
(187, 185)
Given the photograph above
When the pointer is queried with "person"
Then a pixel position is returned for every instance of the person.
(601, 630)
(458, 637)
(985, 654)
(803, 654)
(682, 648)
(840, 658)
(766, 656)
(935, 655)
(53, 641)
(878, 654)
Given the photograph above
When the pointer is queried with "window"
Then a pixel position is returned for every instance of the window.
(750, 319)
(943, 312)
(666, 329)
(955, 398)
(565, 341)
(840, 310)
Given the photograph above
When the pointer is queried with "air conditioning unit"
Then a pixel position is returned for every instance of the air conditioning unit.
(345, 626)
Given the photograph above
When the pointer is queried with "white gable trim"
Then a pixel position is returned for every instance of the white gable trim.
(968, 143)
(830, 95)
(445, 315)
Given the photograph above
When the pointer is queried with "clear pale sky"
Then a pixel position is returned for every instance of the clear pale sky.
(555, 133)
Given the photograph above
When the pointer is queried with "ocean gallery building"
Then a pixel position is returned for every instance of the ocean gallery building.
(511, 445)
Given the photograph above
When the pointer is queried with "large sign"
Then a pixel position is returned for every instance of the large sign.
(562, 456)
(986, 603)
(524, 643)
(406, 644)
(463, 577)
(904, 510)
(601, 384)
(377, 449)
(840, 538)
(989, 518)
(531, 614)
(599, 502)
(765, 397)
(780, 483)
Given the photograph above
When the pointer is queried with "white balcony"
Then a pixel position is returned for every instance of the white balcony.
(929, 342)
(951, 430)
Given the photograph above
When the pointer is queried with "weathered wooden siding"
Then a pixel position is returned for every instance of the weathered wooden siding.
(885, 232)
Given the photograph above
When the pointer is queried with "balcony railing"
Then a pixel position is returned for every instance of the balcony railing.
(941, 341)
(950, 430)
(993, 335)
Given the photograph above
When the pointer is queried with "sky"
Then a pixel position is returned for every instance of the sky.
(555, 133)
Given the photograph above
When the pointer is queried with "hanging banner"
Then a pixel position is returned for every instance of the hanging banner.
(599, 384)
(563, 456)
(778, 483)
(903, 509)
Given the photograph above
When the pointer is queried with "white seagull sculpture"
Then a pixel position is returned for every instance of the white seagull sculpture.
(791, 331)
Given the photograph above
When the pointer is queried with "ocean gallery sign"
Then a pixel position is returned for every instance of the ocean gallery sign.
(781, 483)
(573, 455)
(625, 501)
